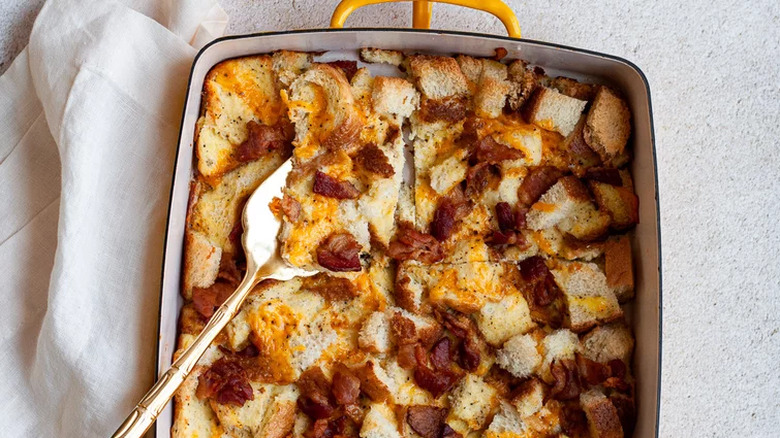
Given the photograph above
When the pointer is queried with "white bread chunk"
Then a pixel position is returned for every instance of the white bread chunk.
(447, 174)
(425, 327)
(499, 321)
(201, 261)
(472, 401)
(519, 356)
(585, 222)
(492, 89)
(395, 98)
(379, 422)
(438, 76)
(561, 201)
(553, 111)
(381, 56)
(374, 335)
(588, 298)
(529, 398)
(608, 342)
(523, 80)
(558, 345)
(603, 419)
(471, 67)
(506, 423)
(608, 125)
(376, 382)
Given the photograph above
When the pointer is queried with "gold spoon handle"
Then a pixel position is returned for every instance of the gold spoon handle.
(147, 410)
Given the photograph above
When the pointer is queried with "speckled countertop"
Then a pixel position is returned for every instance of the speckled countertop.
(714, 72)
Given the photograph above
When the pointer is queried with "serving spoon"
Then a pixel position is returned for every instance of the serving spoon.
(262, 261)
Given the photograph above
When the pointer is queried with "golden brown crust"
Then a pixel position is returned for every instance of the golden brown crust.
(609, 124)
(619, 267)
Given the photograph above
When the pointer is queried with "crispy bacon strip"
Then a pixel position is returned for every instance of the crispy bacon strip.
(373, 160)
(479, 177)
(465, 330)
(567, 385)
(538, 180)
(427, 421)
(346, 386)
(260, 140)
(339, 252)
(348, 67)
(488, 150)
(437, 382)
(206, 300)
(291, 208)
(331, 187)
(450, 210)
(604, 175)
(411, 244)
(505, 216)
(225, 382)
(315, 400)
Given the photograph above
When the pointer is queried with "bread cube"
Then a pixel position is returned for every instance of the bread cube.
(553, 111)
(588, 298)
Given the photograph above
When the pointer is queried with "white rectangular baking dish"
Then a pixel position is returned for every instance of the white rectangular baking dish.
(644, 313)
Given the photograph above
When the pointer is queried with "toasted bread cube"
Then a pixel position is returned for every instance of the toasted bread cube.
(519, 356)
(603, 419)
(553, 111)
(438, 77)
(381, 56)
(380, 422)
(573, 88)
(201, 262)
(608, 125)
(288, 65)
(375, 381)
(394, 97)
(552, 242)
(271, 405)
(563, 200)
(558, 345)
(447, 174)
(588, 298)
(374, 335)
(523, 81)
(608, 342)
(620, 203)
(529, 398)
(471, 67)
(585, 222)
(472, 401)
(499, 321)
(619, 268)
(492, 89)
(506, 423)
(423, 328)
(192, 416)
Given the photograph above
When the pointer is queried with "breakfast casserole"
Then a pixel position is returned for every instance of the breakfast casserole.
(469, 219)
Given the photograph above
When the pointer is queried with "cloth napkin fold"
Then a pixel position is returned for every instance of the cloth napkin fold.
(89, 120)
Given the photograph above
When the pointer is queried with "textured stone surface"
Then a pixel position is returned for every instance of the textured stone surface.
(715, 79)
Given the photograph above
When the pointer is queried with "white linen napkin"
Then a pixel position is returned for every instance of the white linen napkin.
(89, 118)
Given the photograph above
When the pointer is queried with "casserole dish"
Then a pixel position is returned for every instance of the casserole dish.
(643, 314)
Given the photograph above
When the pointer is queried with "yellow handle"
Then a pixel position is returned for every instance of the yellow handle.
(421, 18)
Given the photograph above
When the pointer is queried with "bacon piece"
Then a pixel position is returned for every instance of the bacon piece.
(626, 412)
(441, 357)
(537, 182)
(463, 328)
(448, 432)
(291, 208)
(566, 385)
(226, 382)
(339, 252)
(520, 218)
(436, 382)
(500, 53)
(534, 268)
(490, 151)
(543, 287)
(573, 420)
(411, 244)
(315, 390)
(206, 300)
(330, 288)
(348, 67)
(450, 210)
(505, 216)
(427, 421)
(592, 372)
(605, 175)
(617, 368)
(479, 177)
(617, 383)
(260, 140)
(449, 109)
(346, 386)
(331, 187)
(373, 160)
